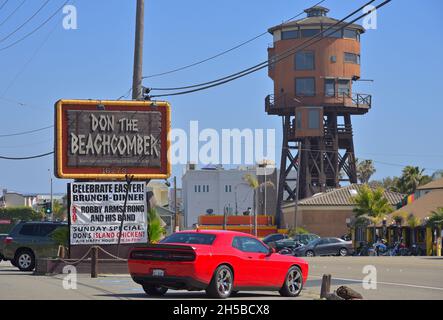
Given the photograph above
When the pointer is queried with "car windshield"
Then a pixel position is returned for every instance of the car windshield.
(313, 242)
(190, 238)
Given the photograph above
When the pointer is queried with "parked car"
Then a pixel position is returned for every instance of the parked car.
(274, 237)
(29, 241)
(325, 247)
(220, 262)
(2, 237)
(294, 242)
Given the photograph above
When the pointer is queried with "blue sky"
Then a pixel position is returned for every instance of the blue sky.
(403, 56)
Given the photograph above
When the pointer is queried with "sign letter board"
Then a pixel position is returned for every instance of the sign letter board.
(104, 140)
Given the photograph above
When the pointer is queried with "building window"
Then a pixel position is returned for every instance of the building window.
(330, 87)
(314, 119)
(350, 34)
(307, 33)
(290, 34)
(333, 33)
(298, 120)
(305, 60)
(344, 88)
(305, 87)
(195, 189)
(228, 188)
(352, 58)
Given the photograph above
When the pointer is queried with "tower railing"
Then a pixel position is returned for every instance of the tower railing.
(283, 101)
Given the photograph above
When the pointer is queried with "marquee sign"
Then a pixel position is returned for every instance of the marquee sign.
(111, 139)
(96, 213)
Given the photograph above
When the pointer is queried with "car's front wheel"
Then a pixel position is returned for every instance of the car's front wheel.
(155, 291)
(343, 252)
(25, 260)
(293, 283)
(222, 283)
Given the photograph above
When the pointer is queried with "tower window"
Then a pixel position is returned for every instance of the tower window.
(290, 34)
(298, 122)
(344, 88)
(329, 87)
(305, 60)
(305, 87)
(350, 34)
(352, 58)
(333, 33)
(314, 119)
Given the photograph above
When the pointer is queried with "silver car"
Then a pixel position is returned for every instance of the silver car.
(325, 247)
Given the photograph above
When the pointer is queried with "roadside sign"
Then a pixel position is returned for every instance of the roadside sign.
(107, 140)
(5, 221)
(96, 213)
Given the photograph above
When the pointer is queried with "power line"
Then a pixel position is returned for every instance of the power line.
(24, 23)
(12, 13)
(27, 63)
(27, 158)
(36, 29)
(25, 132)
(265, 64)
(3, 4)
(223, 52)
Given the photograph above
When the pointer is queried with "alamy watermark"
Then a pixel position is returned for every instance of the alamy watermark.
(227, 146)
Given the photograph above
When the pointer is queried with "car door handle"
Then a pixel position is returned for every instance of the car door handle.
(249, 257)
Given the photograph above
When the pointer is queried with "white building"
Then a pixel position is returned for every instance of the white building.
(214, 190)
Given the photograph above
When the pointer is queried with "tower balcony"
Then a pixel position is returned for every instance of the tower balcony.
(284, 104)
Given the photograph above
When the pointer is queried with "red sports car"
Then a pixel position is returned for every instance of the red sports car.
(220, 262)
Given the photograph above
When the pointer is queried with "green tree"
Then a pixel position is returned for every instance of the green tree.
(253, 183)
(436, 218)
(155, 229)
(298, 230)
(411, 178)
(437, 175)
(59, 210)
(16, 214)
(365, 170)
(413, 222)
(371, 205)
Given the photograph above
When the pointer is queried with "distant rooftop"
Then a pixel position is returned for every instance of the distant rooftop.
(436, 184)
(344, 197)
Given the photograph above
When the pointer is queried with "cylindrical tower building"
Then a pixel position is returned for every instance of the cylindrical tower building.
(313, 94)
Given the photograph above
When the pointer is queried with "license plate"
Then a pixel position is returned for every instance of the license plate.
(158, 273)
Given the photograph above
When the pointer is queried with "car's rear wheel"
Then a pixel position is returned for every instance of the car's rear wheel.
(293, 283)
(221, 284)
(25, 260)
(155, 291)
(309, 253)
(343, 252)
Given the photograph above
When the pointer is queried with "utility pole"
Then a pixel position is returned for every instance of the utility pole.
(51, 197)
(137, 88)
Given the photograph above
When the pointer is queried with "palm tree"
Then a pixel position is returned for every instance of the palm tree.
(412, 177)
(436, 218)
(371, 205)
(365, 169)
(59, 210)
(155, 228)
(413, 222)
(253, 183)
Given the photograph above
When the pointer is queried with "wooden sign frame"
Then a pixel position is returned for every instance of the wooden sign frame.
(111, 172)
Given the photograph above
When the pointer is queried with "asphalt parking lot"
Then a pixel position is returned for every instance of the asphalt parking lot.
(413, 278)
